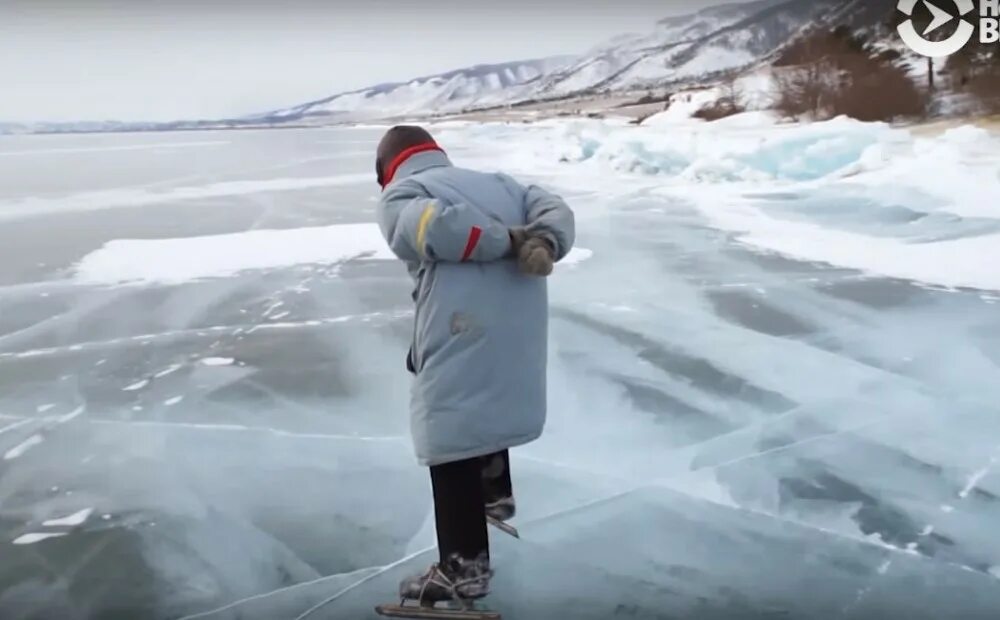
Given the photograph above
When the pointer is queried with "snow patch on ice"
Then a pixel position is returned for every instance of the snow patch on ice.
(977, 476)
(168, 371)
(14, 425)
(19, 450)
(77, 518)
(34, 537)
(170, 402)
(955, 262)
(138, 385)
(217, 361)
(174, 261)
(576, 256)
(71, 415)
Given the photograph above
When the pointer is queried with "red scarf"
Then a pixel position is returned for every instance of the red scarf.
(398, 160)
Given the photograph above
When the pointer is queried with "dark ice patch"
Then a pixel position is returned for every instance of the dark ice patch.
(696, 371)
(690, 423)
(876, 293)
(772, 196)
(782, 265)
(753, 313)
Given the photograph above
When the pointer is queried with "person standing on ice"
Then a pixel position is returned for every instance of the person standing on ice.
(478, 246)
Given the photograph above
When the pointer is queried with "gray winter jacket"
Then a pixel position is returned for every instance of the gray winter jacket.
(480, 332)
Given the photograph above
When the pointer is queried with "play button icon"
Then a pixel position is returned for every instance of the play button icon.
(936, 49)
(941, 17)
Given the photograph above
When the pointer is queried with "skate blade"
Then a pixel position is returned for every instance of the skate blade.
(510, 530)
(420, 611)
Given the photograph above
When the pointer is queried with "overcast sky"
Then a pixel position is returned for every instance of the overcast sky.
(157, 60)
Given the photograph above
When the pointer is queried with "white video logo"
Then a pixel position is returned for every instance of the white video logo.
(936, 49)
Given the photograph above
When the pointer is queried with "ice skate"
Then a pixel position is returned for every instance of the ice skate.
(499, 512)
(431, 612)
(500, 505)
(502, 509)
(446, 590)
(504, 527)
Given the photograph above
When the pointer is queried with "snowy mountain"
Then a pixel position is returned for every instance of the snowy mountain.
(635, 59)
(471, 87)
(698, 46)
(684, 49)
(476, 86)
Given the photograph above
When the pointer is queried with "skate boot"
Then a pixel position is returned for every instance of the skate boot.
(458, 580)
(497, 488)
(502, 509)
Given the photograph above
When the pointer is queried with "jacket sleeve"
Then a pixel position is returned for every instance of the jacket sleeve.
(547, 215)
(419, 227)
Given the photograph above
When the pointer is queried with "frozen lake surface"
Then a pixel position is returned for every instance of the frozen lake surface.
(774, 377)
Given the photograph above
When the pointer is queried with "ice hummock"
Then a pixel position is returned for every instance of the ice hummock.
(864, 196)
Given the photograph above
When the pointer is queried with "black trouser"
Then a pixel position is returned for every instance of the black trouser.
(461, 491)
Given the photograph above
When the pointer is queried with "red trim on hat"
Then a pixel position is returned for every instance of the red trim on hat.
(402, 157)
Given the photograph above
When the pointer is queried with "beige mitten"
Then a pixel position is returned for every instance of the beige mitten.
(536, 257)
(517, 238)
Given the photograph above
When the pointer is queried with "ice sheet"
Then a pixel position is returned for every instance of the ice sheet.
(729, 426)
(40, 152)
(137, 198)
(694, 557)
